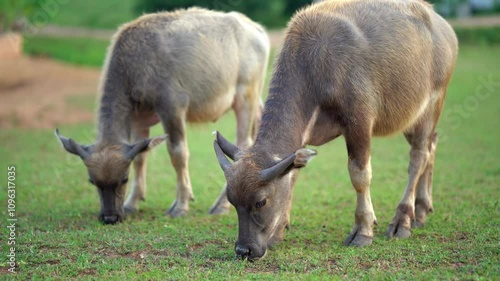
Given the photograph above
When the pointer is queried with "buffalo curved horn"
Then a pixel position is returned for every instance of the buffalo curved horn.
(137, 148)
(221, 156)
(276, 170)
(228, 148)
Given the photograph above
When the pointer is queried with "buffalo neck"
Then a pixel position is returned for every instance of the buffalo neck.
(284, 120)
(114, 116)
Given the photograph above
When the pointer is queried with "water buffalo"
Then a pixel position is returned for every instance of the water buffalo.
(354, 68)
(172, 67)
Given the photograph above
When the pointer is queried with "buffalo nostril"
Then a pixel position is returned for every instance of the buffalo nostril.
(110, 219)
(242, 252)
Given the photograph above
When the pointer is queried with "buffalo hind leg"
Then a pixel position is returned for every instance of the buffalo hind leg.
(423, 200)
(358, 147)
(173, 118)
(420, 139)
(247, 107)
(221, 205)
(138, 190)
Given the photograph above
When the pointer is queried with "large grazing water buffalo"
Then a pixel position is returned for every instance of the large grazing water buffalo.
(172, 67)
(354, 68)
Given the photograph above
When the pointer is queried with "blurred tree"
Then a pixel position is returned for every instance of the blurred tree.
(14, 14)
(269, 13)
(293, 5)
(167, 5)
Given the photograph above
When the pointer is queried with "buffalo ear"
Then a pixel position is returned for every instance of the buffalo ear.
(276, 170)
(144, 145)
(156, 141)
(303, 156)
(296, 160)
(73, 147)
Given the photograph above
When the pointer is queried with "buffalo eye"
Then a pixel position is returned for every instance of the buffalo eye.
(260, 204)
(125, 180)
(91, 181)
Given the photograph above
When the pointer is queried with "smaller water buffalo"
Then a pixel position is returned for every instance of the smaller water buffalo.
(172, 67)
(354, 68)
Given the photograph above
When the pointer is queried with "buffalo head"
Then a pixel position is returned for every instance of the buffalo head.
(261, 195)
(108, 169)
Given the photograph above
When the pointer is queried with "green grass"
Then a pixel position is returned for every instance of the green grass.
(59, 236)
(94, 13)
(91, 52)
(80, 51)
(482, 35)
(110, 14)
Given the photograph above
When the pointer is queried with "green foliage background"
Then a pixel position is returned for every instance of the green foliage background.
(270, 13)
(13, 10)
(110, 14)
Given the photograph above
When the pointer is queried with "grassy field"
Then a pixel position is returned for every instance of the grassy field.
(111, 13)
(80, 51)
(94, 13)
(59, 236)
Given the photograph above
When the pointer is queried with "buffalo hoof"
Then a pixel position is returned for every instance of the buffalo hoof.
(421, 211)
(218, 210)
(358, 240)
(417, 224)
(129, 209)
(176, 212)
(397, 231)
(400, 226)
(274, 241)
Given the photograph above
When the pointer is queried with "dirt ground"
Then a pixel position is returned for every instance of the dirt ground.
(41, 93)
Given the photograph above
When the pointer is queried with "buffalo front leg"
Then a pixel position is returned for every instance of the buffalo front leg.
(174, 122)
(358, 146)
(179, 156)
(400, 225)
(138, 190)
(423, 201)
